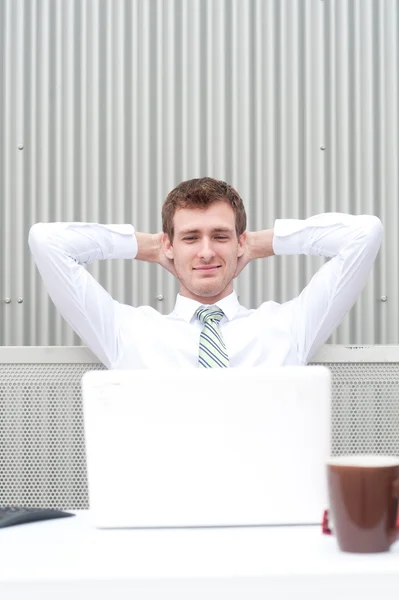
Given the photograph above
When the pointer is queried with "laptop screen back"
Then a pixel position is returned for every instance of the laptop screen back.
(213, 447)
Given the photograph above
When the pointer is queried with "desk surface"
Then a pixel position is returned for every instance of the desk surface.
(216, 562)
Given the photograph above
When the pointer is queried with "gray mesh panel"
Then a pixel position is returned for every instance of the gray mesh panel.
(42, 453)
(365, 408)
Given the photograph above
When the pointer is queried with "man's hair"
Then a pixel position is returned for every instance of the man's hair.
(201, 193)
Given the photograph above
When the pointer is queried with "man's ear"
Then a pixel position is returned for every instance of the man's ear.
(242, 243)
(167, 246)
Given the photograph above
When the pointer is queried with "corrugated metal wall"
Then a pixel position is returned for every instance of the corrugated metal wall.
(105, 105)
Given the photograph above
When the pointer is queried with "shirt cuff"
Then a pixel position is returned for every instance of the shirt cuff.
(124, 241)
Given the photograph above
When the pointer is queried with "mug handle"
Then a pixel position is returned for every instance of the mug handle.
(325, 525)
(395, 495)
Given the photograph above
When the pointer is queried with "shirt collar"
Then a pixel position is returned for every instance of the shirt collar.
(185, 307)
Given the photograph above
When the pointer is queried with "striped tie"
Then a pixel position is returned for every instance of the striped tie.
(212, 349)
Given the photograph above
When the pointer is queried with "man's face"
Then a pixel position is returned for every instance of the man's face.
(205, 251)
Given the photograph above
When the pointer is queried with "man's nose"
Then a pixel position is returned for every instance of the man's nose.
(206, 252)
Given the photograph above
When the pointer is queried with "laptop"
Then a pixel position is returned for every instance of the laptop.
(207, 447)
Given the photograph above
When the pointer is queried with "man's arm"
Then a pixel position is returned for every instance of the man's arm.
(150, 249)
(259, 244)
(352, 244)
(60, 250)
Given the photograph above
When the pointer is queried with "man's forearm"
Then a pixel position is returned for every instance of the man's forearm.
(260, 243)
(149, 245)
(326, 234)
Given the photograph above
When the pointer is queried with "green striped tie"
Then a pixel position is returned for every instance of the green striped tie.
(212, 349)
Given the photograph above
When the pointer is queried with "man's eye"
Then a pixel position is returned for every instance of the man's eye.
(189, 239)
(221, 237)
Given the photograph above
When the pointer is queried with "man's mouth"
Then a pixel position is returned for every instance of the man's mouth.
(207, 268)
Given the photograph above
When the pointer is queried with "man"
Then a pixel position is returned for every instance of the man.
(205, 245)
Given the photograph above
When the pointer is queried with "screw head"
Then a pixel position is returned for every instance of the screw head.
(160, 297)
(322, 147)
(384, 298)
(20, 300)
(7, 300)
(20, 146)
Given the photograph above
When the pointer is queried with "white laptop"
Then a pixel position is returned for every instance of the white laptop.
(212, 447)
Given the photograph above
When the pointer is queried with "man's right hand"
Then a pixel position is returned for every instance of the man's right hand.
(150, 249)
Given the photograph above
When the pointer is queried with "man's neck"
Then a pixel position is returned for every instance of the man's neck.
(209, 300)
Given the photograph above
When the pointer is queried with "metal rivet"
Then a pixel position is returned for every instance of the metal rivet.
(322, 147)
(20, 147)
(160, 297)
(384, 298)
(7, 300)
(19, 299)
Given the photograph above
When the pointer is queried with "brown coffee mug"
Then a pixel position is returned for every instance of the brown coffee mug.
(363, 494)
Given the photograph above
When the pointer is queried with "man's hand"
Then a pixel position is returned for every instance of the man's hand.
(150, 249)
(259, 245)
(162, 259)
(243, 260)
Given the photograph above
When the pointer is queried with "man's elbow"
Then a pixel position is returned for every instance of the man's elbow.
(373, 230)
(36, 237)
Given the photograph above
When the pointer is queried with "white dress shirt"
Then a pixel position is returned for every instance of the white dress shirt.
(127, 337)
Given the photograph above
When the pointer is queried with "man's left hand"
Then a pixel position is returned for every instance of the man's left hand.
(259, 244)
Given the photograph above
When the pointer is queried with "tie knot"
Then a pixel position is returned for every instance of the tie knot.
(209, 314)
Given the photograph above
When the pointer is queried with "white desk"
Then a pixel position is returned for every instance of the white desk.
(70, 559)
